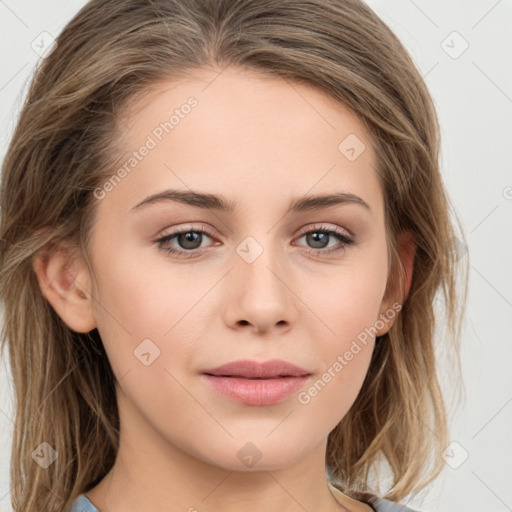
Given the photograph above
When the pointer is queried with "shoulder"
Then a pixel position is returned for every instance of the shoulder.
(376, 503)
(82, 504)
(383, 505)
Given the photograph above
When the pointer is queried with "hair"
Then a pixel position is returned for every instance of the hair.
(67, 141)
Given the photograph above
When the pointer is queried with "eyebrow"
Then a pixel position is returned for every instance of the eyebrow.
(219, 203)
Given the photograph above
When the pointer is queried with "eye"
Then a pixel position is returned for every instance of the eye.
(189, 239)
(320, 236)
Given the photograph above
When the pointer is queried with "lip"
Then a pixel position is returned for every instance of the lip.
(258, 369)
(257, 383)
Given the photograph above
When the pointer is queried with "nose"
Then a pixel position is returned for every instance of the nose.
(260, 293)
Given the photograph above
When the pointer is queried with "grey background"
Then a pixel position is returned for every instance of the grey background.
(472, 90)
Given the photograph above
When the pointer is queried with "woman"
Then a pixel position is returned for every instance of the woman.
(223, 230)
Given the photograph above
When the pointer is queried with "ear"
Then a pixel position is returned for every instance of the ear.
(65, 282)
(400, 282)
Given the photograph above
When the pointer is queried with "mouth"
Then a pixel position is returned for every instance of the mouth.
(247, 369)
(249, 378)
(257, 383)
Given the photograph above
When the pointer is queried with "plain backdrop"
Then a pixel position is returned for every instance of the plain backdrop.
(464, 51)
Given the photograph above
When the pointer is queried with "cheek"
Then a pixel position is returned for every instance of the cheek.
(344, 352)
(333, 391)
(348, 299)
(144, 321)
(348, 305)
(138, 300)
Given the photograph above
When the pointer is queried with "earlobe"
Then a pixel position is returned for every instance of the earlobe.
(64, 281)
(406, 252)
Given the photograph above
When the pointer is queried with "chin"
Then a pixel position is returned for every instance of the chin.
(260, 454)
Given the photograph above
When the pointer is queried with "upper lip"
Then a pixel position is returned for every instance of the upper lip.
(256, 369)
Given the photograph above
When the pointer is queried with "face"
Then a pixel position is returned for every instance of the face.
(183, 286)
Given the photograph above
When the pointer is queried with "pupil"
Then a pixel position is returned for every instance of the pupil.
(318, 237)
(190, 240)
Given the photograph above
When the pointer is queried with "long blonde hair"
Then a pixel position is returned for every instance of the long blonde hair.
(65, 144)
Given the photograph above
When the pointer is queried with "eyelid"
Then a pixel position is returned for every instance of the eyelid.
(192, 227)
(344, 236)
(302, 231)
(323, 227)
(344, 240)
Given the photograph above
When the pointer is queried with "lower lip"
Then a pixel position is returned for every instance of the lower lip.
(256, 391)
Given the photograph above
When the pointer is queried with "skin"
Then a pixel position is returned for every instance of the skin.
(259, 142)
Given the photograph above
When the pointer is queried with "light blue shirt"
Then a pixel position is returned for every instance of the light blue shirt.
(82, 504)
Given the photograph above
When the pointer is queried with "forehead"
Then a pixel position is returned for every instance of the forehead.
(240, 131)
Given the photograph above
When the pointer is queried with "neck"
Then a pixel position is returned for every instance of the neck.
(170, 479)
(153, 473)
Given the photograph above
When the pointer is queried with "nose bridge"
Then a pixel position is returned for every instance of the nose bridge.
(261, 265)
(262, 295)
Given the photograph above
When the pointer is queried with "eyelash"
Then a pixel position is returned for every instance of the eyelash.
(342, 237)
